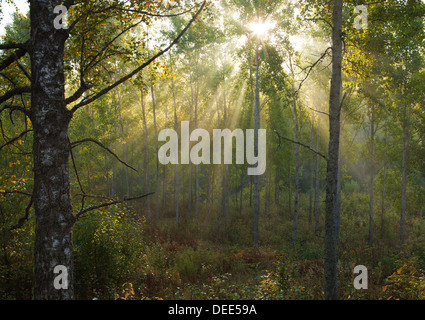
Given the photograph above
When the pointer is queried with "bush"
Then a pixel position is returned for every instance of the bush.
(407, 283)
(108, 244)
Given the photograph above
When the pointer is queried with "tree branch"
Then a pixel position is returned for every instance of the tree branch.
(141, 67)
(76, 143)
(12, 58)
(301, 144)
(310, 68)
(78, 215)
(318, 111)
(14, 108)
(14, 139)
(24, 218)
(8, 46)
(319, 19)
(14, 92)
(16, 192)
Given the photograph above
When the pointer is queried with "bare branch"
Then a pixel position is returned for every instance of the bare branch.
(12, 58)
(311, 67)
(76, 143)
(110, 204)
(318, 111)
(80, 91)
(92, 196)
(141, 67)
(15, 192)
(14, 139)
(24, 218)
(319, 19)
(301, 144)
(8, 46)
(20, 66)
(75, 167)
(14, 92)
(14, 108)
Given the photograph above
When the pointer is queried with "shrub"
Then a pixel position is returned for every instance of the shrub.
(407, 283)
(108, 244)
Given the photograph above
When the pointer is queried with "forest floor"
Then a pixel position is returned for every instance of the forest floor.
(204, 261)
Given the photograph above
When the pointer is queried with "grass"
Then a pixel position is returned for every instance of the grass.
(202, 260)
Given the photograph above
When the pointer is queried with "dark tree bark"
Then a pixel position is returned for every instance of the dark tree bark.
(51, 149)
(330, 262)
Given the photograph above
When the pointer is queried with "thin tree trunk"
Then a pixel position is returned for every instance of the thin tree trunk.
(226, 166)
(146, 179)
(127, 186)
(176, 170)
(276, 186)
(317, 182)
(156, 152)
(384, 179)
(190, 194)
(197, 167)
(310, 208)
(289, 189)
(241, 190)
(297, 166)
(405, 155)
(372, 174)
(256, 128)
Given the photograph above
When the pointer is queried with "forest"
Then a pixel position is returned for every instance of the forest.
(212, 150)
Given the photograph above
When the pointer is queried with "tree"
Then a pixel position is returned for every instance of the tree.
(333, 155)
(50, 116)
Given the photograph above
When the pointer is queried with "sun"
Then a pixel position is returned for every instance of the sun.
(260, 28)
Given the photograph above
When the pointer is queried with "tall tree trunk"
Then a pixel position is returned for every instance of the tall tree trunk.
(176, 170)
(197, 166)
(219, 176)
(124, 147)
(146, 179)
(310, 208)
(330, 263)
(372, 173)
(256, 128)
(226, 166)
(317, 182)
(190, 194)
(297, 166)
(289, 188)
(384, 179)
(241, 190)
(405, 155)
(276, 186)
(50, 118)
(156, 154)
